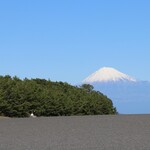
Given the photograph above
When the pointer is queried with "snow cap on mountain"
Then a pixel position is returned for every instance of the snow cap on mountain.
(107, 74)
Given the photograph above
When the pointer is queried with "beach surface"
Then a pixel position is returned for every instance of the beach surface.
(112, 132)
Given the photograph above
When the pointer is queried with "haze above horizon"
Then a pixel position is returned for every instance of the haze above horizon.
(69, 40)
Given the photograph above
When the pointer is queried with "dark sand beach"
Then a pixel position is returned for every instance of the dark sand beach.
(120, 132)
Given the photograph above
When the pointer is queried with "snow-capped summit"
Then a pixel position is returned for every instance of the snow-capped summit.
(106, 74)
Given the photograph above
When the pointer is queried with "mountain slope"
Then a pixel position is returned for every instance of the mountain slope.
(106, 74)
(128, 95)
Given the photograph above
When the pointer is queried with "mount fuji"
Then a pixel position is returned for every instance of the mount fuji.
(107, 74)
(130, 96)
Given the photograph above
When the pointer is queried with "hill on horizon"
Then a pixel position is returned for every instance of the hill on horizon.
(20, 98)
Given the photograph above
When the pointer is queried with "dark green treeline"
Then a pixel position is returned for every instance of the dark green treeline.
(19, 98)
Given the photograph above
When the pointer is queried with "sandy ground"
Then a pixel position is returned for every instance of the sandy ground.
(121, 132)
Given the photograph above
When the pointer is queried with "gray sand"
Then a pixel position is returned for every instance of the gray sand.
(122, 132)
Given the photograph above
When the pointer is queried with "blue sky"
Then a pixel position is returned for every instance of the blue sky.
(68, 40)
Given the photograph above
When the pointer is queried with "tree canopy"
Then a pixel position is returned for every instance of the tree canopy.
(20, 98)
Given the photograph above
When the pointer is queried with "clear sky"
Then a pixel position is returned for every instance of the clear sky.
(67, 40)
